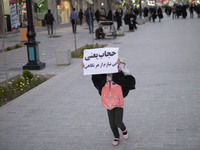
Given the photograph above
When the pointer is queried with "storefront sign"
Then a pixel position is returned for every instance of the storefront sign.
(13, 15)
(100, 61)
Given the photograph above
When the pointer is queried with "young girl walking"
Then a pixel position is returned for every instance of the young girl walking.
(113, 88)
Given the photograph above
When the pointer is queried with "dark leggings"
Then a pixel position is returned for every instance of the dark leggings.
(115, 117)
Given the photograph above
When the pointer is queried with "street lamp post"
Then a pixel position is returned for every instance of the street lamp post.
(32, 44)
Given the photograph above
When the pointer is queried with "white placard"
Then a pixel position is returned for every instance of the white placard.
(13, 17)
(100, 61)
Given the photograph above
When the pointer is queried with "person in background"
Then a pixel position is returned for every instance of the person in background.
(153, 12)
(150, 14)
(49, 21)
(97, 16)
(191, 11)
(132, 18)
(80, 15)
(90, 20)
(73, 19)
(145, 11)
(102, 14)
(118, 16)
(160, 14)
(174, 12)
(110, 15)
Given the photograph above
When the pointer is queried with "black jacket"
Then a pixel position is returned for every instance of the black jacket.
(126, 81)
(49, 18)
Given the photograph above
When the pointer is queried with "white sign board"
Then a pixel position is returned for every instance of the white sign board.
(13, 16)
(100, 61)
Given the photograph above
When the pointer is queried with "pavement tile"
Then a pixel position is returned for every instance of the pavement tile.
(65, 112)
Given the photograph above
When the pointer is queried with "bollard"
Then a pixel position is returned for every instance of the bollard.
(63, 57)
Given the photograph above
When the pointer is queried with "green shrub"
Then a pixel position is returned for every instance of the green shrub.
(8, 48)
(27, 74)
(17, 46)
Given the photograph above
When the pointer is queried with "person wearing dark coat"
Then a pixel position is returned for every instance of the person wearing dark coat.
(178, 11)
(126, 18)
(97, 16)
(49, 21)
(132, 21)
(145, 11)
(110, 15)
(118, 16)
(90, 20)
(126, 81)
(80, 15)
(191, 11)
(160, 15)
(184, 12)
(198, 10)
(153, 12)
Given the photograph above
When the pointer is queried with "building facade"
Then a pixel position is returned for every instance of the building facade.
(15, 15)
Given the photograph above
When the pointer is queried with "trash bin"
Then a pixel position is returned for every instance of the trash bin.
(43, 22)
(23, 32)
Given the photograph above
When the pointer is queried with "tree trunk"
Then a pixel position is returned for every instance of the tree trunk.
(3, 35)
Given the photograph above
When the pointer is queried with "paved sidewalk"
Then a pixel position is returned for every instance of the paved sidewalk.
(15, 59)
(65, 113)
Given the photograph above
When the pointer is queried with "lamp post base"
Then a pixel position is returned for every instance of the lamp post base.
(34, 66)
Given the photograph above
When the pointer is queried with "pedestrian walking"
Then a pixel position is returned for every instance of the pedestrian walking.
(145, 12)
(90, 20)
(191, 11)
(127, 18)
(132, 21)
(113, 88)
(153, 12)
(73, 19)
(174, 12)
(80, 16)
(97, 16)
(110, 15)
(118, 16)
(160, 14)
(49, 21)
(198, 10)
(150, 14)
(184, 11)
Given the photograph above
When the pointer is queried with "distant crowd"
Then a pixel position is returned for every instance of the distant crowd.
(130, 16)
(181, 10)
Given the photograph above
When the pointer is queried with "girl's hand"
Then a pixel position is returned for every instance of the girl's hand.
(82, 65)
(118, 61)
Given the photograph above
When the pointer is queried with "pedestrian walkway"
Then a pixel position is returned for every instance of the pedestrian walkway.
(15, 59)
(65, 112)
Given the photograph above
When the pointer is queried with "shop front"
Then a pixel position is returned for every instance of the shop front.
(40, 9)
(64, 11)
